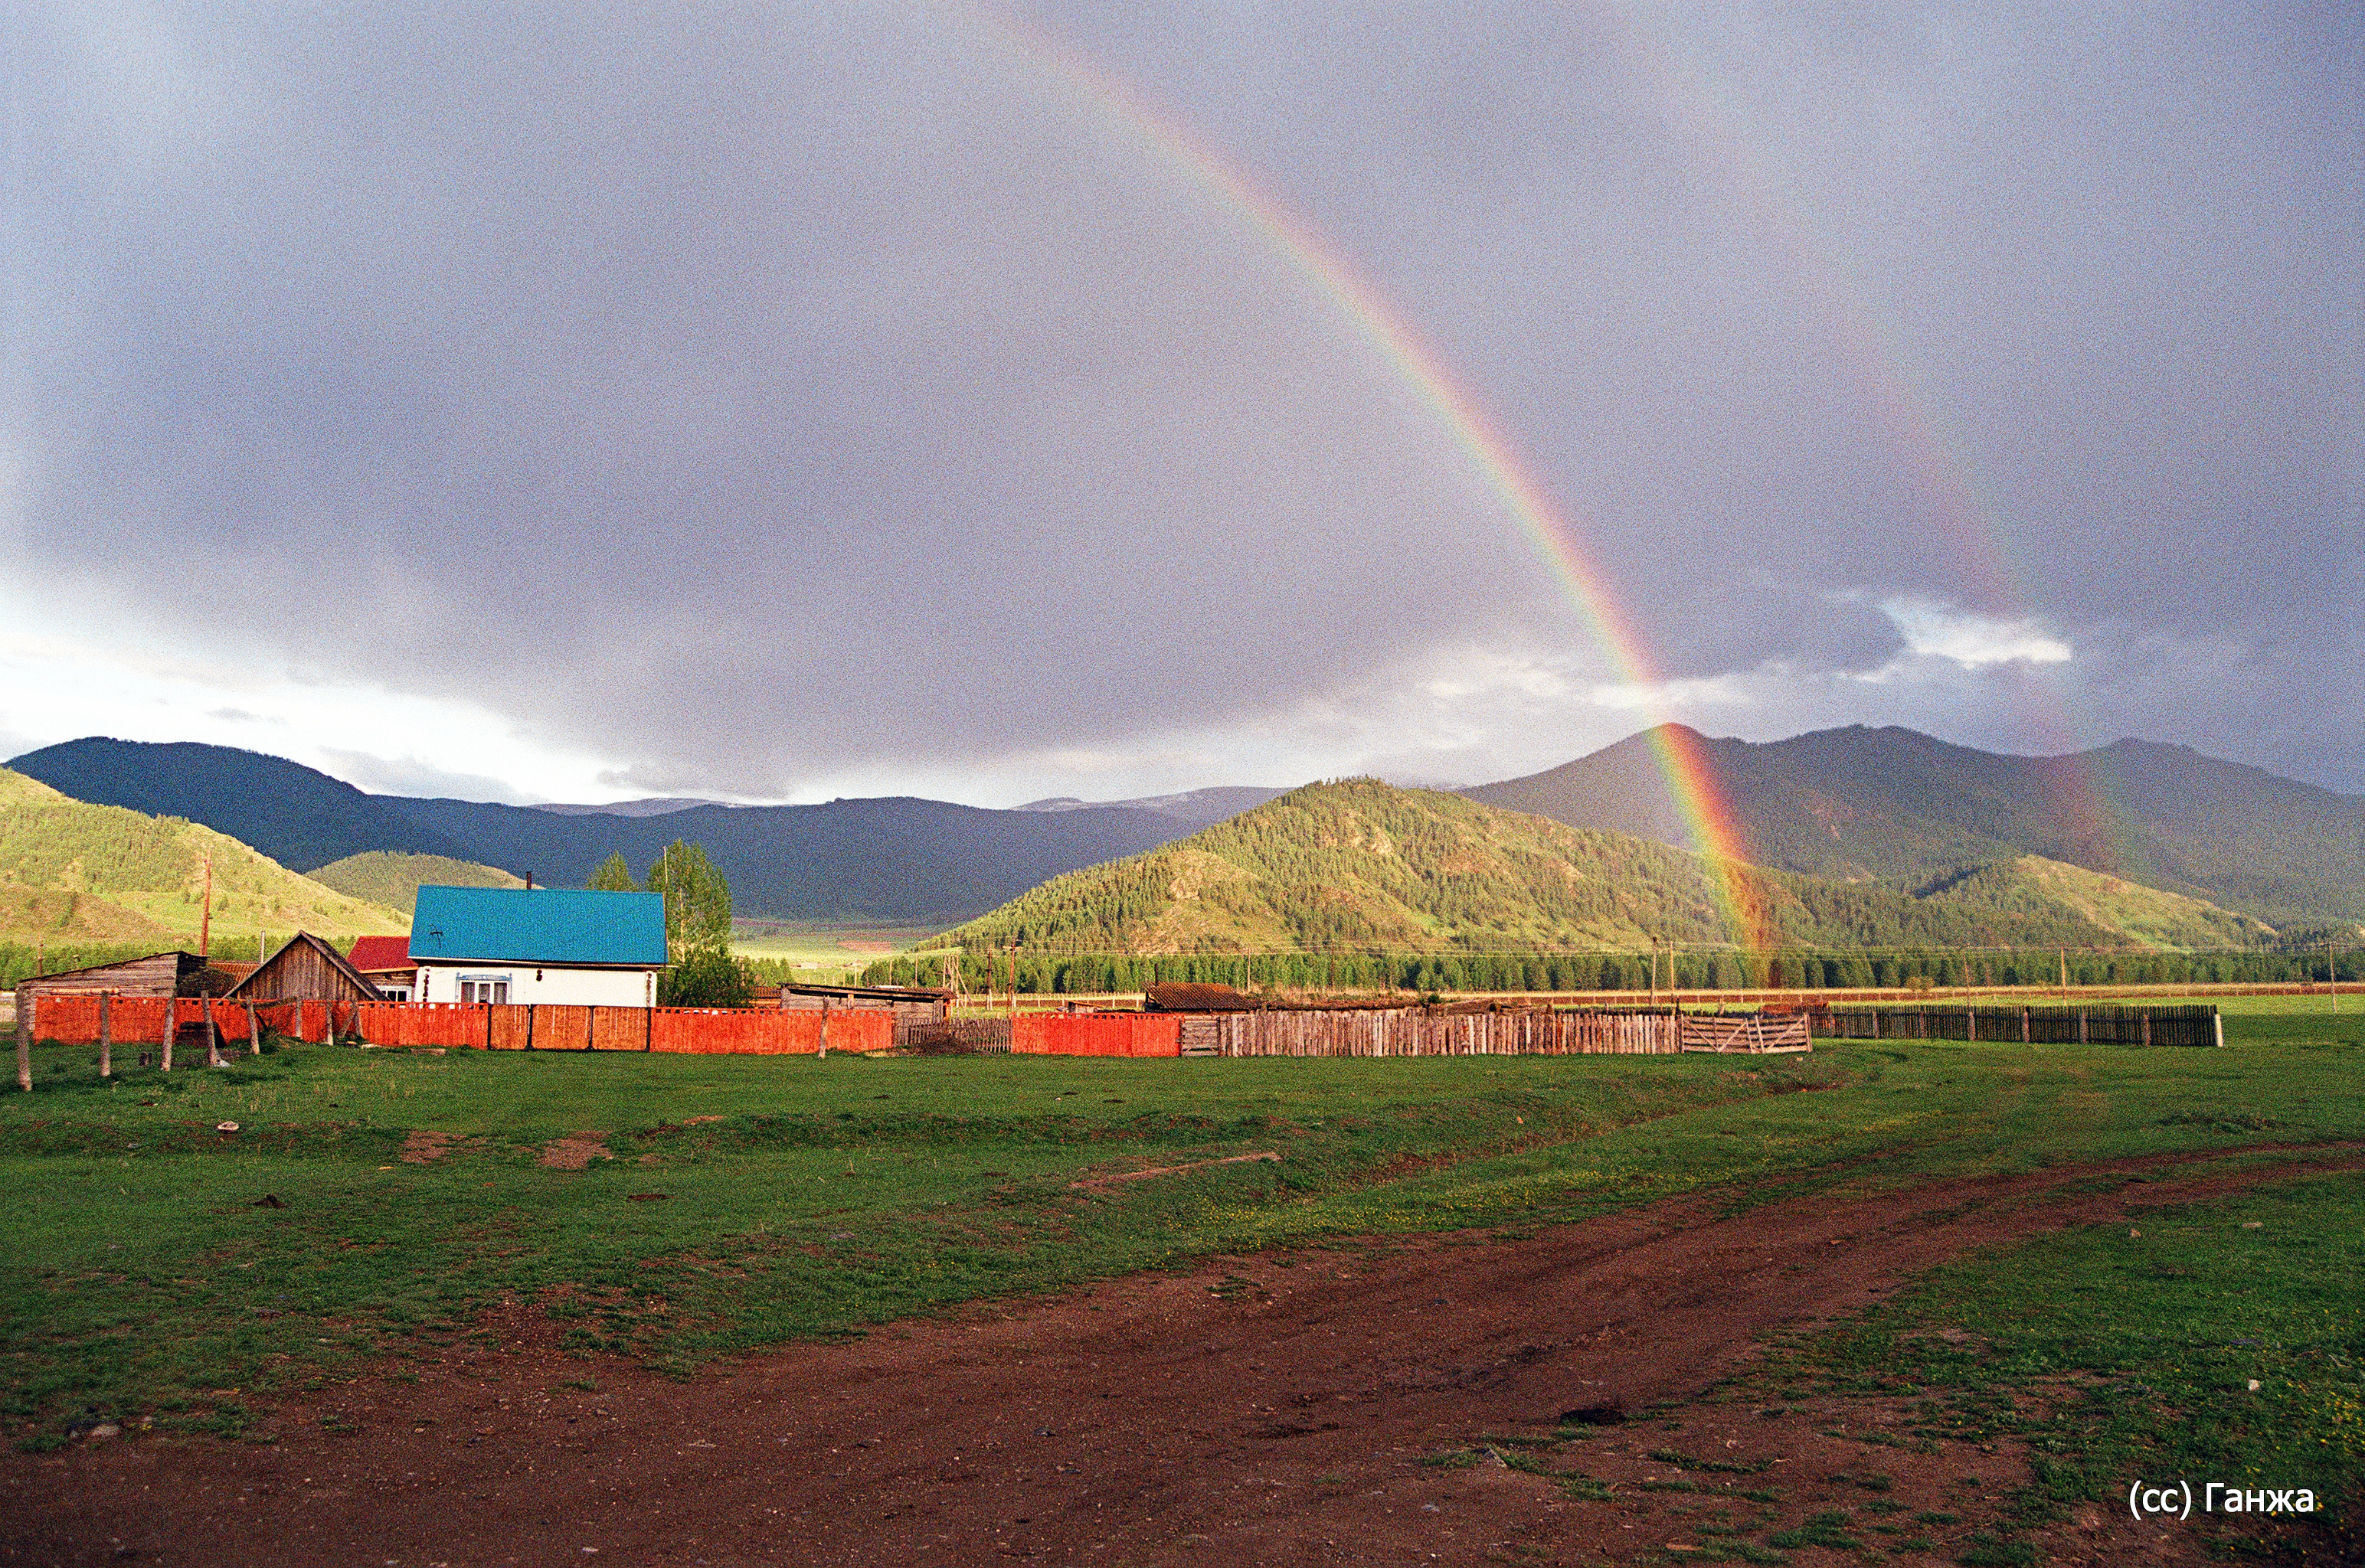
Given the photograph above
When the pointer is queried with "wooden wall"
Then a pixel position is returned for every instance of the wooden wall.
(302, 970)
(158, 974)
(1407, 1032)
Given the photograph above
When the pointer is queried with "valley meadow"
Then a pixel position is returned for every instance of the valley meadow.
(1944, 1302)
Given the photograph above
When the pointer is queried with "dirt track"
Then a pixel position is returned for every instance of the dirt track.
(1261, 1410)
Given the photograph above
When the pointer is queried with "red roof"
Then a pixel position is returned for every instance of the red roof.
(380, 953)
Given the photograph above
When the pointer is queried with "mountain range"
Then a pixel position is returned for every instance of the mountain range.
(1917, 815)
(1893, 803)
(1359, 866)
(896, 860)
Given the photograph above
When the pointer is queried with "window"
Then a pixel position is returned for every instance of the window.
(474, 989)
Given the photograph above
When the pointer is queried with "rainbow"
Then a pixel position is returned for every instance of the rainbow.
(1691, 780)
(1868, 347)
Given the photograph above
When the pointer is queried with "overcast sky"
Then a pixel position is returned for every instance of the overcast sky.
(791, 401)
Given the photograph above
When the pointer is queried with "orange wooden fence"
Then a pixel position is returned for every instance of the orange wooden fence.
(1097, 1034)
(132, 1020)
(72, 1019)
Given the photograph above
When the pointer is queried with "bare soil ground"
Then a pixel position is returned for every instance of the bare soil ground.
(1275, 1409)
(576, 1150)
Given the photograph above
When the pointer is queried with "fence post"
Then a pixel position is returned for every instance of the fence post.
(172, 1022)
(824, 1025)
(253, 1030)
(106, 1035)
(2146, 1025)
(24, 1041)
(2218, 1021)
(213, 1040)
(2024, 1026)
(2081, 1026)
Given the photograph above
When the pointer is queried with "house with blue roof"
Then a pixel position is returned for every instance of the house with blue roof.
(564, 946)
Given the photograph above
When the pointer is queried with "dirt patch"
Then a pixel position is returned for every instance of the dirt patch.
(1103, 1182)
(576, 1150)
(1321, 1406)
(425, 1147)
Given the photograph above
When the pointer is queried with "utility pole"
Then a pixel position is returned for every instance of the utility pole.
(2332, 973)
(206, 920)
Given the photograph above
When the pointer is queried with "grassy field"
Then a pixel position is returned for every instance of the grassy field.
(154, 1265)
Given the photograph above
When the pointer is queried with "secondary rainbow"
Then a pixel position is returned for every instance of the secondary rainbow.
(1370, 318)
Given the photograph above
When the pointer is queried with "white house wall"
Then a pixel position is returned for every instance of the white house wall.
(552, 983)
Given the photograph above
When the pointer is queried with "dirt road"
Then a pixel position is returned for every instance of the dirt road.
(1265, 1410)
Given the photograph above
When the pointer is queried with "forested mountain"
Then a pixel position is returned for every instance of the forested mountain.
(297, 816)
(75, 875)
(1359, 866)
(899, 861)
(1895, 803)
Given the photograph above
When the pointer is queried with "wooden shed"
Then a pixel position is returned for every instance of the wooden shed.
(157, 974)
(912, 1004)
(307, 969)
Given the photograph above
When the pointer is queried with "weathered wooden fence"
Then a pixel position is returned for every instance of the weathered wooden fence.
(2101, 1025)
(1755, 1033)
(953, 1036)
(1407, 1032)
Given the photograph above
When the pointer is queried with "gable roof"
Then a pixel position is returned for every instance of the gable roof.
(270, 977)
(538, 926)
(380, 953)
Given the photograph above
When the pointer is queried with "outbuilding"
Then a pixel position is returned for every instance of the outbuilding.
(385, 962)
(911, 1004)
(305, 970)
(156, 974)
(561, 945)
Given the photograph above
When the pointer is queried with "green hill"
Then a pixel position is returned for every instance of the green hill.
(1362, 867)
(391, 879)
(74, 874)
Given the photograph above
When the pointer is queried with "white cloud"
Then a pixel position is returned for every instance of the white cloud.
(1935, 629)
(64, 682)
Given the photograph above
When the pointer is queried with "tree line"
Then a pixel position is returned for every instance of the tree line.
(1102, 973)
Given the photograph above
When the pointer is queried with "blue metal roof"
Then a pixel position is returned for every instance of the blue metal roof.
(537, 925)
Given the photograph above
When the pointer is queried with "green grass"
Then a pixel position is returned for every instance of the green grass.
(831, 1195)
(2118, 1351)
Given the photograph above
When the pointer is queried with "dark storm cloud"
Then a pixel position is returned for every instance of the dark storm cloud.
(2037, 308)
(752, 390)
(748, 394)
